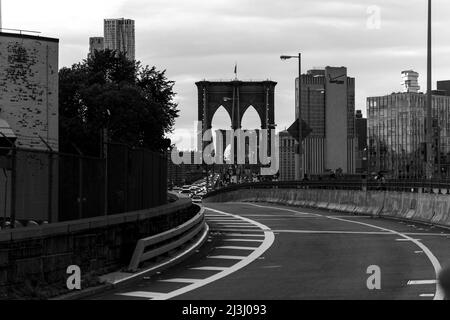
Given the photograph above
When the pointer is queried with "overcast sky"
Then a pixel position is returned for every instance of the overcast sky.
(198, 39)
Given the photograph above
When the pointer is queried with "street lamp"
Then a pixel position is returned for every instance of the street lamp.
(429, 122)
(299, 155)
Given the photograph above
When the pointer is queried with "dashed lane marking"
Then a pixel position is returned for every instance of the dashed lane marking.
(142, 294)
(209, 269)
(227, 257)
(242, 240)
(236, 248)
(267, 240)
(421, 282)
(245, 235)
(180, 280)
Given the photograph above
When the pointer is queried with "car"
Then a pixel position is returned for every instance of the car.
(177, 189)
(197, 199)
(186, 192)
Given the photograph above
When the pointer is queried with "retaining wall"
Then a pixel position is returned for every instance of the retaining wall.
(33, 260)
(422, 207)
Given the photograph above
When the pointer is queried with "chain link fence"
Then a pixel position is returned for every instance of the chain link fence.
(47, 187)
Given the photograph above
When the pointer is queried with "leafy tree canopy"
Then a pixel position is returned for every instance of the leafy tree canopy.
(108, 93)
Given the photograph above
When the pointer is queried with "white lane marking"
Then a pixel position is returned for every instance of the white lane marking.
(221, 220)
(434, 261)
(408, 240)
(245, 235)
(180, 280)
(142, 294)
(227, 230)
(418, 252)
(173, 259)
(227, 257)
(242, 224)
(236, 248)
(242, 240)
(333, 232)
(266, 216)
(209, 269)
(421, 282)
(269, 239)
(428, 295)
(287, 210)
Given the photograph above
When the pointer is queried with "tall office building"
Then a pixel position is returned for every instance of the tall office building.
(287, 157)
(120, 35)
(361, 135)
(328, 107)
(96, 44)
(397, 136)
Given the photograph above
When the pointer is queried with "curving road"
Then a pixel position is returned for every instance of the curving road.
(272, 252)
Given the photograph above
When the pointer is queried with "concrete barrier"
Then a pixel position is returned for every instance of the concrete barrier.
(433, 208)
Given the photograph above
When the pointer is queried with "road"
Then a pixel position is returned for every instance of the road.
(273, 252)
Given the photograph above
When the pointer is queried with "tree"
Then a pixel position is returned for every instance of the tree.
(109, 93)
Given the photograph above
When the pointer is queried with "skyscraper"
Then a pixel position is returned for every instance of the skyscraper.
(96, 43)
(328, 108)
(120, 35)
(397, 135)
(361, 134)
(287, 157)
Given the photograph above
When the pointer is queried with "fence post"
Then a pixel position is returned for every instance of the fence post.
(80, 187)
(50, 180)
(106, 156)
(13, 186)
(80, 182)
(50, 187)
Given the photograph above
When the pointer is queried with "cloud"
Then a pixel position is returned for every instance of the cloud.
(198, 39)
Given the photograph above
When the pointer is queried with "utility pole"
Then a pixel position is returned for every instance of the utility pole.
(429, 122)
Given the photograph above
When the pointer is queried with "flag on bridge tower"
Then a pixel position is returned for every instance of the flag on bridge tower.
(235, 70)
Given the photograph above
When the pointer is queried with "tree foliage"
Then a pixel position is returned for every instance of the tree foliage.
(135, 104)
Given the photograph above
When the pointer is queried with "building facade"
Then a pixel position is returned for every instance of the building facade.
(397, 139)
(287, 157)
(29, 108)
(96, 44)
(361, 135)
(120, 35)
(328, 107)
(29, 89)
(444, 87)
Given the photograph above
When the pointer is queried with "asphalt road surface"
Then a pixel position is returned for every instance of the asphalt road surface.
(273, 252)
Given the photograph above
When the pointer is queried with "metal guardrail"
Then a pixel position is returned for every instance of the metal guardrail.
(414, 186)
(160, 244)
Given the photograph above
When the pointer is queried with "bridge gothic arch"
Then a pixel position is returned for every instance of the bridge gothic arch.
(236, 97)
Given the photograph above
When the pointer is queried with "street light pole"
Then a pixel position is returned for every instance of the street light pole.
(430, 158)
(300, 124)
(299, 154)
